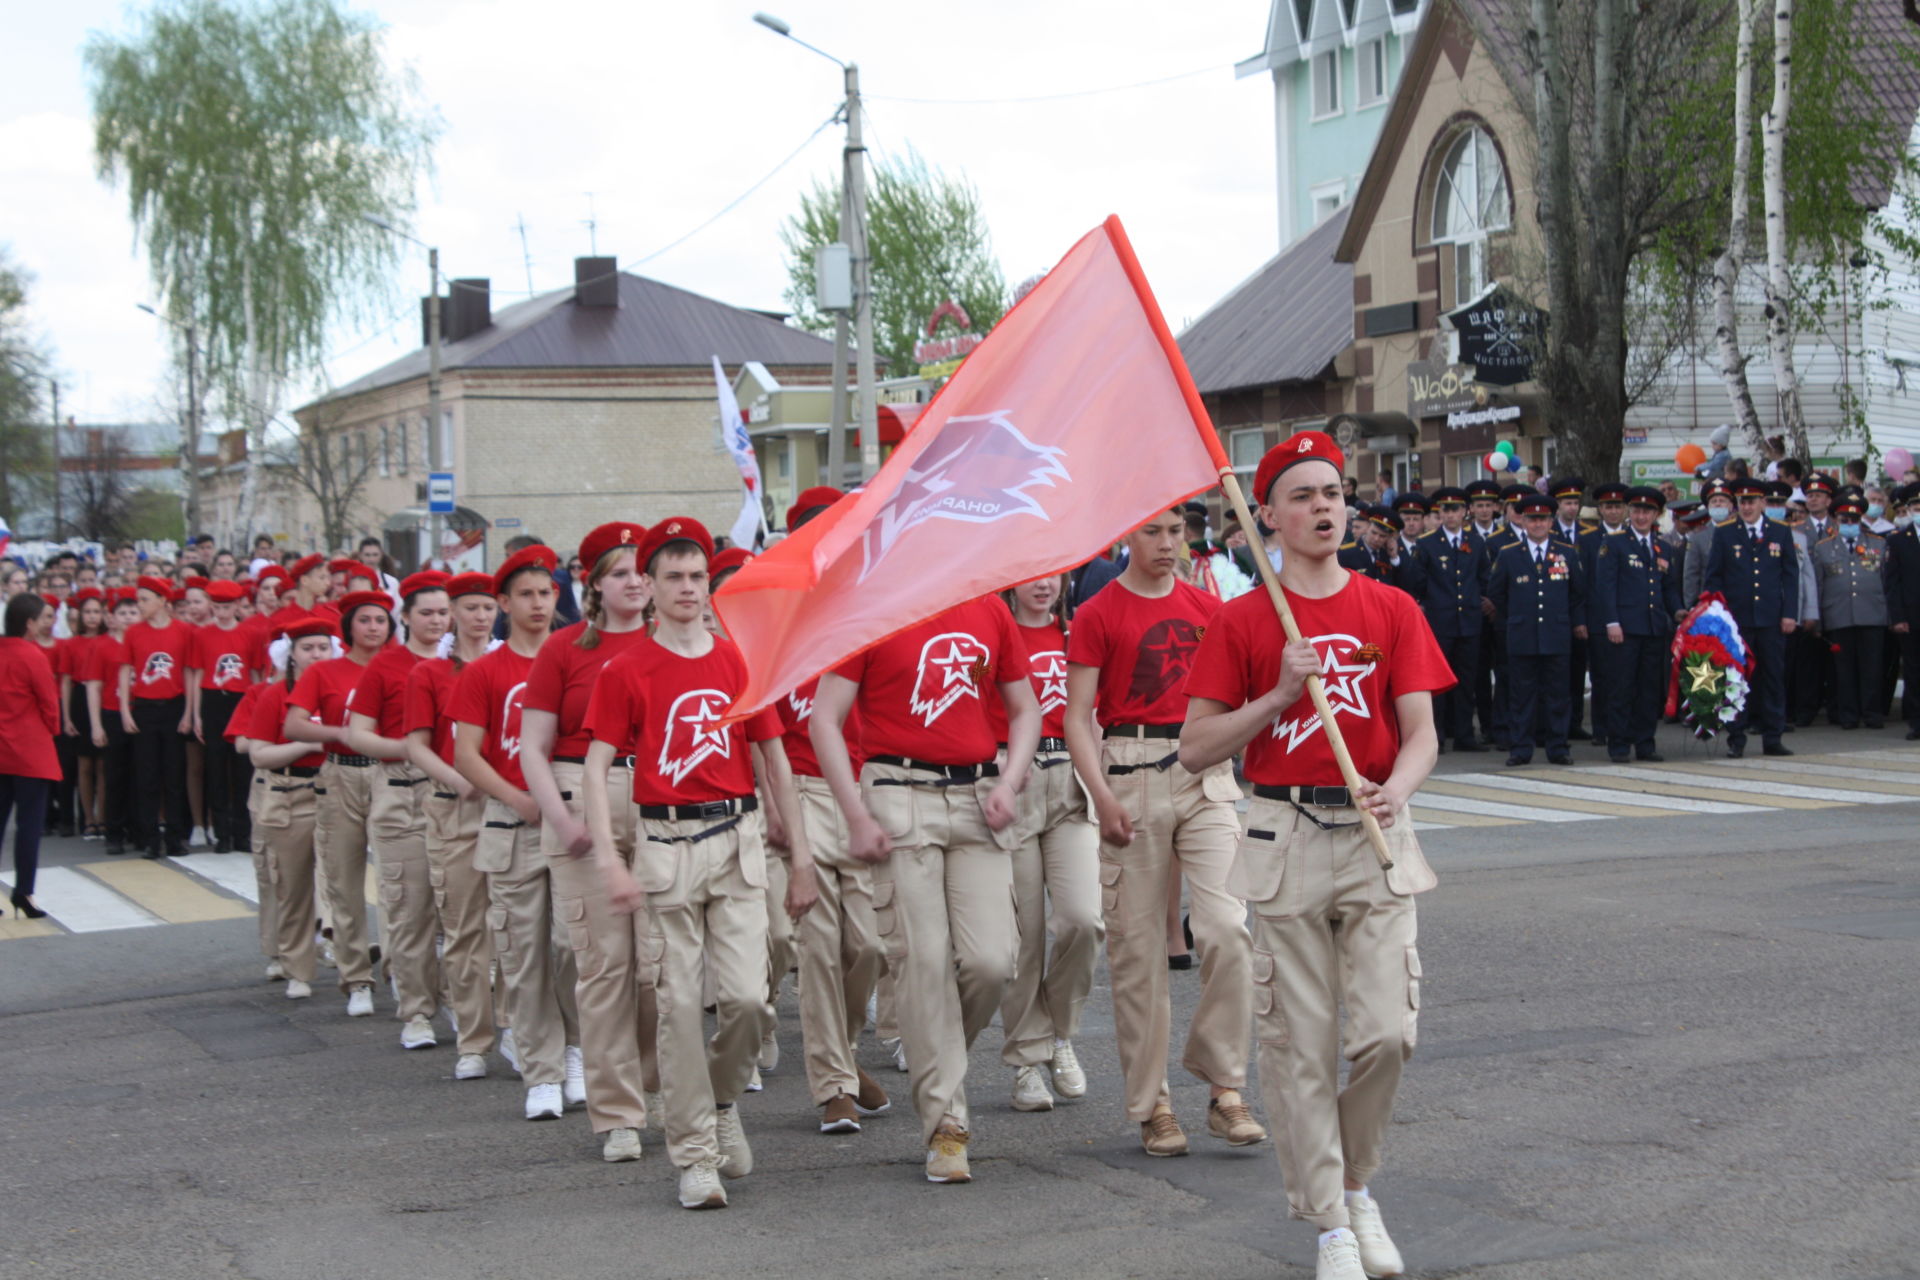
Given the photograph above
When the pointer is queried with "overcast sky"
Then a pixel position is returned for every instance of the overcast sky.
(666, 112)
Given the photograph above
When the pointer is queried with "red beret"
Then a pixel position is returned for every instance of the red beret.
(53, 601)
(424, 580)
(606, 537)
(195, 580)
(524, 558)
(311, 625)
(272, 573)
(342, 564)
(224, 592)
(811, 500)
(126, 595)
(470, 584)
(159, 586)
(355, 569)
(729, 560)
(1303, 447)
(355, 600)
(85, 594)
(676, 529)
(304, 566)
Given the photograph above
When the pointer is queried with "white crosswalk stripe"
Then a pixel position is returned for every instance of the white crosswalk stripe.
(1602, 795)
(231, 872)
(1722, 780)
(83, 905)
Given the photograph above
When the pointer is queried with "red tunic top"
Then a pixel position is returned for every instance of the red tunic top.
(670, 707)
(226, 659)
(325, 692)
(103, 663)
(240, 723)
(159, 656)
(269, 723)
(923, 692)
(1143, 648)
(488, 694)
(382, 691)
(30, 710)
(1046, 649)
(429, 697)
(563, 678)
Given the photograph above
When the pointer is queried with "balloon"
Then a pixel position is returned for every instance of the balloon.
(1505, 446)
(1689, 457)
(1496, 461)
(1513, 462)
(1898, 462)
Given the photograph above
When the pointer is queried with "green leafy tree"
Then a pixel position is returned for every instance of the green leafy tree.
(24, 458)
(256, 142)
(930, 244)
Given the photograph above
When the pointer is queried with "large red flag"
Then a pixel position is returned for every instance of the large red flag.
(1073, 422)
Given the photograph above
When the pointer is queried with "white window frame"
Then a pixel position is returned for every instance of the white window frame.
(1369, 91)
(1468, 467)
(405, 431)
(386, 448)
(1320, 83)
(1327, 191)
(1466, 220)
(1258, 437)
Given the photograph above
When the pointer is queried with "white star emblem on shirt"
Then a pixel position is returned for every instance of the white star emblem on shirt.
(1340, 680)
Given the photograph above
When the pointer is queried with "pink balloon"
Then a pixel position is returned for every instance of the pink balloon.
(1899, 462)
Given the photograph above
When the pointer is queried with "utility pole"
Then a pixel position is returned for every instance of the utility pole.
(842, 326)
(193, 435)
(55, 383)
(865, 408)
(434, 522)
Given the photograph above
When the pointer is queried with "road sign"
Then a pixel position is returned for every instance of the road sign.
(440, 493)
(506, 522)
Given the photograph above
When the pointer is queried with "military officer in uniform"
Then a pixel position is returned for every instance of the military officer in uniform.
(1377, 552)
(1539, 598)
(1848, 565)
(1568, 493)
(1610, 498)
(1755, 565)
(1412, 509)
(1638, 598)
(1717, 498)
(1510, 499)
(1456, 574)
(1903, 599)
(1483, 520)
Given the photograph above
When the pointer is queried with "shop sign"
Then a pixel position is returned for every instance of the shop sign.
(1497, 336)
(1435, 389)
(938, 350)
(1484, 417)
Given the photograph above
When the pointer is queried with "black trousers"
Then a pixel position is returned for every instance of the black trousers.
(1809, 676)
(1910, 672)
(1577, 663)
(1637, 677)
(116, 783)
(1455, 713)
(159, 774)
(1857, 669)
(1486, 691)
(1766, 710)
(1539, 683)
(226, 773)
(26, 800)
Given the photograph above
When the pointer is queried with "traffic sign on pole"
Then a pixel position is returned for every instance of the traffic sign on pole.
(440, 493)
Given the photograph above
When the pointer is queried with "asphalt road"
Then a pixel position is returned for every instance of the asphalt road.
(1676, 1047)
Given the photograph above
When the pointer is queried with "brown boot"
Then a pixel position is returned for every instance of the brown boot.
(1228, 1118)
(1161, 1135)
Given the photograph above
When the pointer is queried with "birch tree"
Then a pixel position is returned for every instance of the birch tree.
(1727, 267)
(255, 141)
(1773, 180)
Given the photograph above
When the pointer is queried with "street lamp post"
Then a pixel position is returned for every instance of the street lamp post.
(853, 224)
(190, 447)
(435, 530)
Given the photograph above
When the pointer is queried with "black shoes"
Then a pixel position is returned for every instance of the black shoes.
(25, 907)
(1515, 760)
(1652, 757)
(1776, 749)
(1737, 750)
(1559, 757)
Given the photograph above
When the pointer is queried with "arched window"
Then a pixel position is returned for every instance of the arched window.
(1469, 202)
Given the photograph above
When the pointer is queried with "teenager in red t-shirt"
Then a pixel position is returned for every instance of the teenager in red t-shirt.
(617, 1032)
(107, 677)
(225, 660)
(317, 712)
(157, 651)
(1126, 663)
(1331, 928)
(87, 613)
(701, 863)
(288, 808)
(1057, 863)
(939, 815)
(453, 806)
(235, 735)
(536, 982)
(376, 727)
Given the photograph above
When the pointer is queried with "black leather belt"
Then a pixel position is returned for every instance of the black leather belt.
(405, 782)
(1325, 797)
(298, 771)
(694, 812)
(618, 762)
(357, 762)
(1164, 763)
(1052, 744)
(1144, 730)
(446, 795)
(950, 774)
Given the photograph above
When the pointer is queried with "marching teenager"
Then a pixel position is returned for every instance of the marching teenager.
(306, 595)
(222, 666)
(939, 815)
(536, 971)
(614, 984)
(87, 608)
(376, 727)
(237, 737)
(453, 807)
(1057, 865)
(1130, 651)
(289, 806)
(157, 651)
(317, 713)
(1330, 927)
(700, 863)
(107, 677)
(840, 957)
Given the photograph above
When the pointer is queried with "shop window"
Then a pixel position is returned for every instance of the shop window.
(1470, 202)
(1372, 67)
(1246, 448)
(1326, 84)
(1468, 467)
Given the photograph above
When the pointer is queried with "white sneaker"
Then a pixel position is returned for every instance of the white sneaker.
(418, 1034)
(736, 1157)
(754, 1084)
(575, 1090)
(656, 1110)
(1069, 1081)
(1339, 1259)
(275, 971)
(360, 1001)
(1030, 1092)
(471, 1066)
(543, 1102)
(897, 1050)
(700, 1186)
(298, 990)
(197, 838)
(621, 1145)
(1378, 1257)
(769, 1051)
(508, 1052)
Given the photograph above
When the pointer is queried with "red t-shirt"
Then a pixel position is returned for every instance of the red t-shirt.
(325, 692)
(1374, 645)
(103, 662)
(269, 722)
(382, 691)
(240, 723)
(670, 706)
(1046, 649)
(923, 693)
(796, 718)
(1144, 649)
(226, 659)
(160, 657)
(488, 694)
(563, 678)
(429, 693)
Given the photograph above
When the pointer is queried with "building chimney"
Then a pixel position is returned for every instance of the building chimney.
(596, 282)
(472, 307)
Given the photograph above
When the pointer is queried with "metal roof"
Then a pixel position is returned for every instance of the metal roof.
(656, 326)
(1285, 323)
